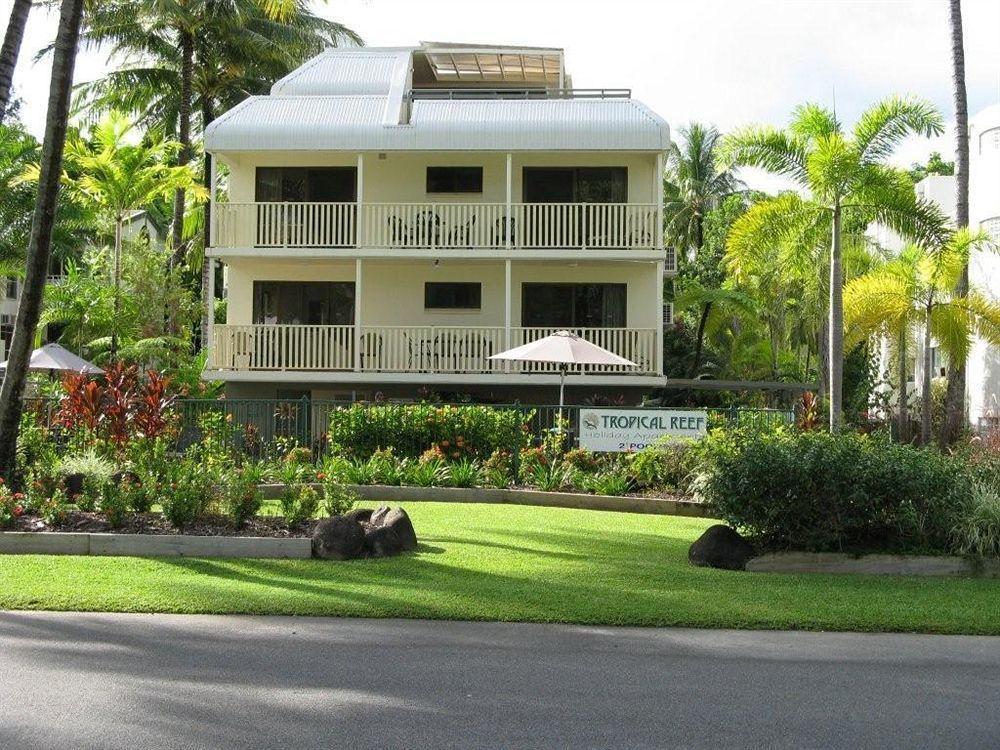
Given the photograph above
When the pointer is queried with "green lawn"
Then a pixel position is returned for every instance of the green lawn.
(485, 562)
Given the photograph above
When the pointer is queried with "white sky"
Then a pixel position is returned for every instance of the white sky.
(726, 62)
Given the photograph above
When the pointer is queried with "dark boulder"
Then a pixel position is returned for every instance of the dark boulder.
(720, 547)
(338, 538)
(361, 515)
(382, 541)
(399, 522)
(378, 515)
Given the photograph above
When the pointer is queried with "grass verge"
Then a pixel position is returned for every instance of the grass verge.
(512, 563)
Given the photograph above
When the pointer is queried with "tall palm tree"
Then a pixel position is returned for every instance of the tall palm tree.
(39, 246)
(955, 398)
(841, 173)
(174, 49)
(917, 290)
(693, 185)
(120, 177)
(11, 49)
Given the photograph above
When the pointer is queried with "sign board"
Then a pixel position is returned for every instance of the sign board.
(621, 430)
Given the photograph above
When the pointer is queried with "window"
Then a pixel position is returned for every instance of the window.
(992, 227)
(454, 179)
(11, 288)
(306, 184)
(453, 295)
(989, 140)
(575, 184)
(573, 305)
(303, 302)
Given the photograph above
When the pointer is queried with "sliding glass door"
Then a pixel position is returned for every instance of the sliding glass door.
(303, 302)
(573, 305)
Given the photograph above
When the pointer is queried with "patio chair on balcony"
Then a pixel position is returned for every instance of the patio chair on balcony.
(500, 232)
(371, 351)
(426, 229)
(461, 234)
(397, 231)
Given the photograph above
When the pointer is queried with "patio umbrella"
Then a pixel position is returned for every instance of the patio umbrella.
(565, 349)
(54, 357)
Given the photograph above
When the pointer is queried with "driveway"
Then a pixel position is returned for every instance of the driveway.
(70, 680)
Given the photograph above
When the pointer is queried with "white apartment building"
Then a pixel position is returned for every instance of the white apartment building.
(983, 368)
(394, 216)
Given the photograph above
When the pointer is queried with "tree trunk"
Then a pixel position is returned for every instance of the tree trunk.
(836, 326)
(955, 417)
(40, 243)
(117, 271)
(11, 49)
(702, 321)
(903, 413)
(184, 138)
(925, 381)
(208, 305)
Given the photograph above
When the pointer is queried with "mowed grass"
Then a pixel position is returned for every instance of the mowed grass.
(512, 563)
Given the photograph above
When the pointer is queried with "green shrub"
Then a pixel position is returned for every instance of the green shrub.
(299, 455)
(385, 467)
(54, 510)
(465, 473)
(581, 459)
(977, 531)
(498, 469)
(668, 464)
(337, 499)
(431, 472)
(604, 482)
(115, 502)
(95, 470)
(241, 494)
(820, 492)
(188, 495)
(359, 471)
(299, 505)
(410, 429)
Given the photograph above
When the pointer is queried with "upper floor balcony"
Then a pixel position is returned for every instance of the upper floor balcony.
(437, 226)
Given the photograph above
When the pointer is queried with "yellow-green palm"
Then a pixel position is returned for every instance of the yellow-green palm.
(917, 290)
(842, 177)
(120, 177)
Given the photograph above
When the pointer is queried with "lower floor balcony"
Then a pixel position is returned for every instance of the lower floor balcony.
(377, 350)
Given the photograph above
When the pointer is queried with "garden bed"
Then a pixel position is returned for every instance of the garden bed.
(155, 524)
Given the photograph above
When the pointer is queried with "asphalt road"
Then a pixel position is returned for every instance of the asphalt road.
(163, 681)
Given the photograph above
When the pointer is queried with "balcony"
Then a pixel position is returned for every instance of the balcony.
(409, 349)
(433, 226)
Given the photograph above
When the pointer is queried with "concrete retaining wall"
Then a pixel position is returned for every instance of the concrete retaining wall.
(151, 545)
(391, 494)
(902, 565)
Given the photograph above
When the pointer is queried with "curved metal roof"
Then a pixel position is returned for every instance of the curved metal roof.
(357, 123)
(345, 71)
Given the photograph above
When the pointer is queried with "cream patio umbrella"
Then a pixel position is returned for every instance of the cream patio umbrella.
(53, 357)
(563, 348)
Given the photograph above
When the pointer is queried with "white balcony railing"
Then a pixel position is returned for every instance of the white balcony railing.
(437, 225)
(421, 349)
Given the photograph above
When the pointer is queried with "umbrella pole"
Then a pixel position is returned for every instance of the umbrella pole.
(562, 389)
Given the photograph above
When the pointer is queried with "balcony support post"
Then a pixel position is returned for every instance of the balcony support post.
(359, 216)
(658, 197)
(213, 213)
(658, 343)
(358, 277)
(508, 243)
(210, 306)
(506, 309)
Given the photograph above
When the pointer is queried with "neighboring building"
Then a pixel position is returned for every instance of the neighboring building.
(397, 215)
(983, 368)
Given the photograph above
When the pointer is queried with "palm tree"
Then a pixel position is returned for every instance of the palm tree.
(174, 51)
(11, 49)
(39, 247)
(693, 185)
(955, 398)
(917, 290)
(120, 178)
(83, 306)
(841, 173)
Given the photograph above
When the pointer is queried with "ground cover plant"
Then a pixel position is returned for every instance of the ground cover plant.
(512, 563)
